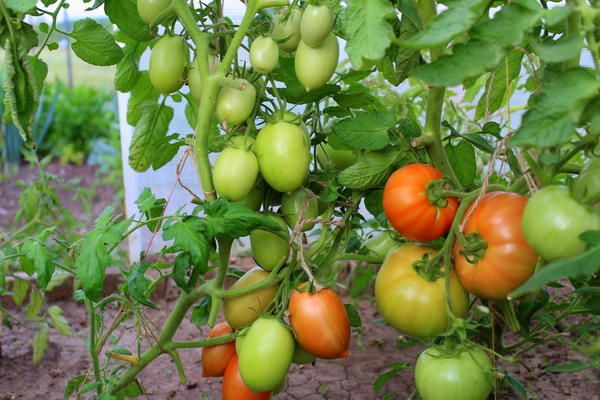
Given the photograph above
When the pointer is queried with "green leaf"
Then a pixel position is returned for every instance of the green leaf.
(374, 202)
(368, 34)
(182, 268)
(371, 169)
(353, 316)
(234, 220)
(496, 85)
(400, 61)
(39, 343)
(35, 304)
(557, 109)
(142, 92)
(36, 251)
(573, 366)
(59, 322)
(365, 130)
(19, 289)
(93, 44)
(124, 14)
(387, 376)
(151, 207)
(74, 385)
(462, 159)
(566, 48)
(592, 238)
(557, 15)
(201, 312)
(138, 284)
(21, 6)
(517, 386)
(529, 305)
(128, 71)
(190, 235)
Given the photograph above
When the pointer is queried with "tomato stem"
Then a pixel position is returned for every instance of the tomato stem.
(92, 344)
(224, 253)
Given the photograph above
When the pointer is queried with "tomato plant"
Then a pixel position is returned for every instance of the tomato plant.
(301, 203)
(286, 29)
(216, 358)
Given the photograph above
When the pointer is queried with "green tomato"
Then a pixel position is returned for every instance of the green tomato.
(150, 9)
(286, 29)
(195, 79)
(283, 155)
(255, 197)
(340, 159)
(463, 375)
(235, 173)
(552, 222)
(264, 55)
(302, 356)
(381, 245)
(243, 142)
(316, 25)
(266, 354)
(586, 188)
(168, 59)
(280, 386)
(315, 66)
(235, 105)
(293, 203)
(239, 341)
(269, 250)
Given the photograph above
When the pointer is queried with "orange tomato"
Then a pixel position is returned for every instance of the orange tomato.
(216, 358)
(234, 387)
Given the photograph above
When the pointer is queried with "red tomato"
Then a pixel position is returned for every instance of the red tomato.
(216, 358)
(234, 387)
(508, 260)
(408, 208)
(320, 322)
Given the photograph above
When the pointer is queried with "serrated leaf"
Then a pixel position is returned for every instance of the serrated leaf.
(35, 304)
(365, 130)
(19, 288)
(370, 170)
(151, 207)
(462, 159)
(93, 44)
(138, 284)
(190, 235)
(59, 322)
(496, 85)
(142, 92)
(36, 251)
(182, 268)
(234, 220)
(566, 48)
(400, 61)
(20, 6)
(201, 312)
(124, 14)
(74, 385)
(39, 343)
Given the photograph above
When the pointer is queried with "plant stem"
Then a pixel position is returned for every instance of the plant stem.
(359, 257)
(224, 252)
(92, 344)
(573, 27)
(53, 15)
(204, 342)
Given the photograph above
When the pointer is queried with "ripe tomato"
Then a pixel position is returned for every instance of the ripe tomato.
(302, 356)
(283, 155)
(586, 187)
(266, 355)
(264, 54)
(235, 173)
(408, 208)
(150, 9)
(293, 203)
(286, 29)
(340, 159)
(243, 310)
(409, 302)
(234, 387)
(381, 245)
(320, 322)
(508, 260)
(316, 24)
(195, 79)
(315, 66)
(216, 358)
(465, 374)
(553, 221)
(168, 59)
(235, 105)
(268, 249)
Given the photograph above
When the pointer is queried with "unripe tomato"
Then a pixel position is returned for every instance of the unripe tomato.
(302, 356)
(340, 159)
(243, 310)
(316, 24)
(381, 245)
(216, 358)
(234, 387)
(239, 341)
(586, 187)
(507, 261)
(320, 322)
(255, 197)
(553, 221)
(283, 155)
(315, 66)
(266, 354)
(264, 54)
(268, 249)
(195, 79)
(293, 203)
(280, 386)
(168, 59)
(235, 105)
(148, 10)
(409, 302)
(235, 173)
(286, 29)
(408, 208)
(464, 374)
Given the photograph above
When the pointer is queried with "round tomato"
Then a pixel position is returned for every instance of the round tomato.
(465, 373)
(340, 159)
(195, 79)
(407, 207)
(286, 29)
(411, 303)
(302, 356)
(235, 173)
(315, 66)
(283, 155)
(266, 354)
(234, 387)
(316, 25)
(293, 203)
(264, 54)
(507, 260)
(168, 59)
(148, 10)
(586, 187)
(216, 358)
(268, 249)
(243, 310)
(235, 105)
(381, 245)
(553, 221)
(255, 197)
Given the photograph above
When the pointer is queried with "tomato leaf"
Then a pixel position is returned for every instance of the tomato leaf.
(124, 14)
(142, 91)
(59, 322)
(371, 169)
(365, 130)
(353, 316)
(190, 235)
(201, 312)
(93, 44)
(20, 287)
(462, 158)
(128, 71)
(234, 220)
(39, 343)
(151, 207)
(137, 284)
(36, 251)
(35, 304)
(387, 376)
(400, 61)
(573, 366)
(497, 84)
(74, 385)
(566, 48)
(21, 6)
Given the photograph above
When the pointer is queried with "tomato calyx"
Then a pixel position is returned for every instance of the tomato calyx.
(474, 247)
(429, 268)
(437, 192)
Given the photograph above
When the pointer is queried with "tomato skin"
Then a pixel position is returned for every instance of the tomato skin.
(264, 54)
(381, 245)
(168, 59)
(244, 310)
(315, 66)
(293, 203)
(234, 387)
(316, 25)
(320, 322)
(286, 32)
(340, 159)
(409, 302)
(465, 376)
(553, 221)
(266, 355)
(255, 197)
(235, 105)
(586, 187)
(235, 173)
(148, 10)
(408, 209)
(508, 260)
(268, 249)
(216, 358)
(195, 79)
(283, 155)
